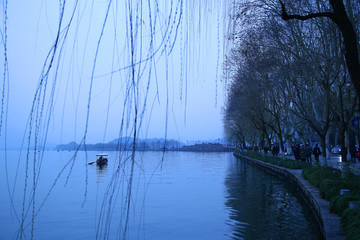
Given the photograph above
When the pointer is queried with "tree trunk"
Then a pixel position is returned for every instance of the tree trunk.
(347, 30)
(281, 141)
(288, 146)
(269, 142)
(327, 144)
(342, 144)
(323, 145)
(262, 141)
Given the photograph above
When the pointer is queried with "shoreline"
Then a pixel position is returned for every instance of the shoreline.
(329, 223)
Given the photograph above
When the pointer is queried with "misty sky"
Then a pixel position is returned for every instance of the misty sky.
(193, 90)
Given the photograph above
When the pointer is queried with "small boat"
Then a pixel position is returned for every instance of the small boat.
(101, 159)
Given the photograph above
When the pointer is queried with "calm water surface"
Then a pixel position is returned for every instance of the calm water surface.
(185, 196)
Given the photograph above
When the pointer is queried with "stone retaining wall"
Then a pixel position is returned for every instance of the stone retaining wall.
(329, 223)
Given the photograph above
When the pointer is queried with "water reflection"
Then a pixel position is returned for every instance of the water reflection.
(185, 199)
(101, 170)
(262, 206)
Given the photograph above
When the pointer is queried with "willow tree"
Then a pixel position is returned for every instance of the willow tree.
(123, 43)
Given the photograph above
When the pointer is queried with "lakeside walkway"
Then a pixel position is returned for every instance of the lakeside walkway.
(334, 161)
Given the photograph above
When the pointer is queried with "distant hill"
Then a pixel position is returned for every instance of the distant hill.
(67, 147)
(153, 144)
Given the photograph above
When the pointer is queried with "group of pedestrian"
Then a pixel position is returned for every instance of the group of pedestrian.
(304, 152)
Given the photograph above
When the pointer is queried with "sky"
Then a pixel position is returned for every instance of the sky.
(179, 93)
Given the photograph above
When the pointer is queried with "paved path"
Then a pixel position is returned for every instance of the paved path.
(335, 162)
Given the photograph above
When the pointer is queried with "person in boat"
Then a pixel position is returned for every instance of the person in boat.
(100, 160)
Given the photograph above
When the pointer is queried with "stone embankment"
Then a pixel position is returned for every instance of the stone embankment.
(329, 223)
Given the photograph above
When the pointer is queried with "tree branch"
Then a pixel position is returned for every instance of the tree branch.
(285, 16)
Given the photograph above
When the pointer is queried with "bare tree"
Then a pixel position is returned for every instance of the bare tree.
(340, 17)
(308, 55)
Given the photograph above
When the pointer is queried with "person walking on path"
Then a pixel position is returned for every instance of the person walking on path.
(353, 153)
(296, 151)
(276, 150)
(317, 152)
(308, 153)
(302, 153)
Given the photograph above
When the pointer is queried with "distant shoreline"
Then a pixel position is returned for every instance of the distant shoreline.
(202, 147)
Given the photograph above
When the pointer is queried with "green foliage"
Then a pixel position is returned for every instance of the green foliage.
(350, 223)
(330, 188)
(237, 151)
(330, 181)
(312, 175)
(341, 202)
(292, 164)
(318, 174)
(351, 181)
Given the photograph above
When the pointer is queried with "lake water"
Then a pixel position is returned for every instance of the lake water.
(179, 195)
